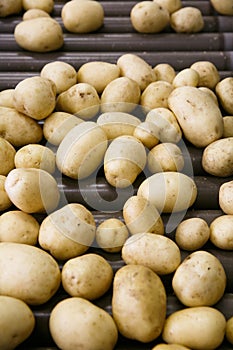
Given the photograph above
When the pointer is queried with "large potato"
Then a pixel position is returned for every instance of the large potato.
(208, 73)
(169, 191)
(5, 201)
(224, 91)
(187, 19)
(156, 95)
(138, 303)
(198, 115)
(10, 7)
(200, 280)
(221, 230)
(28, 273)
(7, 155)
(225, 197)
(16, 323)
(186, 326)
(74, 319)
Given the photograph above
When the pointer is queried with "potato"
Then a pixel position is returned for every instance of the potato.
(41, 34)
(10, 7)
(165, 157)
(80, 99)
(169, 347)
(225, 197)
(82, 150)
(224, 7)
(35, 97)
(187, 19)
(156, 95)
(5, 201)
(149, 17)
(138, 303)
(57, 125)
(166, 123)
(208, 73)
(199, 117)
(210, 93)
(45, 5)
(157, 252)
(120, 95)
(192, 234)
(19, 227)
(124, 160)
(32, 190)
(186, 77)
(82, 16)
(88, 276)
(221, 230)
(217, 157)
(186, 328)
(7, 155)
(169, 191)
(224, 91)
(34, 13)
(140, 215)
(19, 129)
(6, 98)
(61, 73)
(30, 274)
(200, 279)
(165, 72)
(136, 68)
(227, 126)
(147, 132)
(74, 319)
(16, 324)
(68, 231)
(229, 330)
(98, 74)
(111, 234)
(170, 5)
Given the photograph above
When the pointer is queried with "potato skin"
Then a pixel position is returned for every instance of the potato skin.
(7, 155)
(225, 196)
(187, 20)
(5, 202)
(224, 92)
(10, 7)
(221, 232)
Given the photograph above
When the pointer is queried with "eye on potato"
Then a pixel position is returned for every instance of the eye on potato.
(111, 234)
(187, 20)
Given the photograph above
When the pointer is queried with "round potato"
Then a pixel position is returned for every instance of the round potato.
(19, 227)
(19, 129)
(98, 74)
(170, 5)
(229, 330)
(111, 234)
(140, 215)
(187, 20)
(34, 13)
(200, 280)
(31, 274)
(16, 324)
(10, 7)
(149, 17)
(32, 190)
(6, 98)
(82, 150)
(169, 191)
(224, 7)
(45, 34)
(221, 232)
(163, 346)
(226, 197)
(73, 320)
(192, 234)
(138, 303)
(186, 77)
(165, 71)
(61, 73)
(227, 126)
(5, 201)
(157, 252)
(7, 155)
(45, 5)
(224, 91)
(82, 16)
(208, 73)
(67, 232)
(156, 95)
(186, 328)
(88, 276)
(35, 97)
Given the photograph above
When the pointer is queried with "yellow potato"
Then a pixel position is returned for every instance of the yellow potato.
(223, 90)
(111, 234)
(156, 95)
(147, 132)
(10, 7)
(6, 98)
(7, 155)
(170, 347)
(187, 19)
(229, 330)
(170, 5)
(31, 274)
(186, 77)
(45, 5)
(225, 197)
(221, 232)
(227, 126)
(224, 7)
(34, 13)
(208, 73)
(5, 201)
(165, 71)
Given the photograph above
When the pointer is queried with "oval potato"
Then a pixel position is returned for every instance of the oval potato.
(187, 19)
(156, 95)
(221, 232)
(10, 7)
(224, 91)
(225, 196)
(208, 73)
(165, 71)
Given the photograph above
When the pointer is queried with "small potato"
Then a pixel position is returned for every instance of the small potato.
(229, 330)
(45, 5)
(186, 77)
(156, 95)
(210, 93)
(170, 5)
(5, 201)
(35, 97)
(57, 125)
(147, 132)
(221, 232)
(138, 292)
(16, 324)
(124, 160)
(61, 73)
(74, 319)
(217, 158)
(88, 276)
(224, 7)
(82, 16)
(224, 92)
(136, 68)
(165, 72)
(41, 34)
(170, 347)
(7, 155)
(32, 190)
(187, 20)
(192, 234)
(225, 197)
(157, 252)
(200, 280)
(169, 191)
(120, 95)
(10, 7)
(34, 13)
(67, 232)
(149, 17)
(6, 98)
(98, 74)
(185, 327)
(80, 99)
(19, 129)
(208, 73)
(227, 126)
(111, 234)
(165, 157)
(31, 274)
